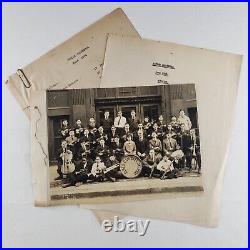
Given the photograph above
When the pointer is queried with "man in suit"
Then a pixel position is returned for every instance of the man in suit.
(117, 148)
(111, 137)
(156, 145)
(102, 150)
(169, 145)
(125, 132)
(147, 126)
(120, 122)
(107, 122)
(133, 121)
(65, 149)
(81, 173)
(195, 148)
(141, 145)
(184, 140)
(149, 164)
(101, 135)
(175, 125)
(64, 132)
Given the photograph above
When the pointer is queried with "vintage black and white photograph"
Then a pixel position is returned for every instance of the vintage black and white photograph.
(122, 141)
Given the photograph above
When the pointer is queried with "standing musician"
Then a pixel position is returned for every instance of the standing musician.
(183, 139)
(120, 122)
(60, 158)
(107, 122)
(129, 147)
(184, 119)
(64, 132)
(141, 145)
(133, 121)
(156, 145)
(195, 148)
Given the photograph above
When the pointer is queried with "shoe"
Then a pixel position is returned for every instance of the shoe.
(58, 178)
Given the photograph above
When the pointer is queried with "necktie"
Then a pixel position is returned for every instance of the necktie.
(119, 120)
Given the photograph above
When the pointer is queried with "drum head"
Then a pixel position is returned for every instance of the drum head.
(131, 166)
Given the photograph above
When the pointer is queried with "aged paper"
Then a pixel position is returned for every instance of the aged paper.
(76, 63)
(107, 145)
(132, 62)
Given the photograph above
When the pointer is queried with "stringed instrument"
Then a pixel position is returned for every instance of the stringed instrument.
(68, 166)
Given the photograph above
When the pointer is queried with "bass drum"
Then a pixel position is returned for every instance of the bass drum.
(131, 166)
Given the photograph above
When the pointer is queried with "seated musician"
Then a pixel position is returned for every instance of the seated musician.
(149, 164)
(157, 131)
(139, 130)
(155, 144)
(84, 150)
(177, 157)
(87, 137)
(141, 145)
(102, 150)
(169, 144)
(112, 168)
(175, 125)
(125, 132)
(161, 125)
(81, 173)
(129, 147)
(64, 148)
(101, 135)
(166, 168)
(111, 137)
(92, 127)
(195, 148)
(97, 170)
(147, 126)
(117, 148)
(71, 140)
(133, 121)
(64, 132)
(171, 131)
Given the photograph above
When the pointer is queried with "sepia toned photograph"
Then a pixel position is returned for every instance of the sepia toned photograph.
(123, 141)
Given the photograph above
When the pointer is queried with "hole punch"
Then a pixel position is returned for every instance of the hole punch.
(24, 79)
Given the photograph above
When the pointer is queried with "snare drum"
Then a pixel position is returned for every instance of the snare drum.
(131, 166)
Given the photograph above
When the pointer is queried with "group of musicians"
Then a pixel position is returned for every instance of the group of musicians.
(94, 153)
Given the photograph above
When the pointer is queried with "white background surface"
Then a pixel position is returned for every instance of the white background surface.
(30, 30)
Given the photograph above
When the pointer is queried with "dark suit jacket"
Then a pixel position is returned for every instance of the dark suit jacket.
(142, 146)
